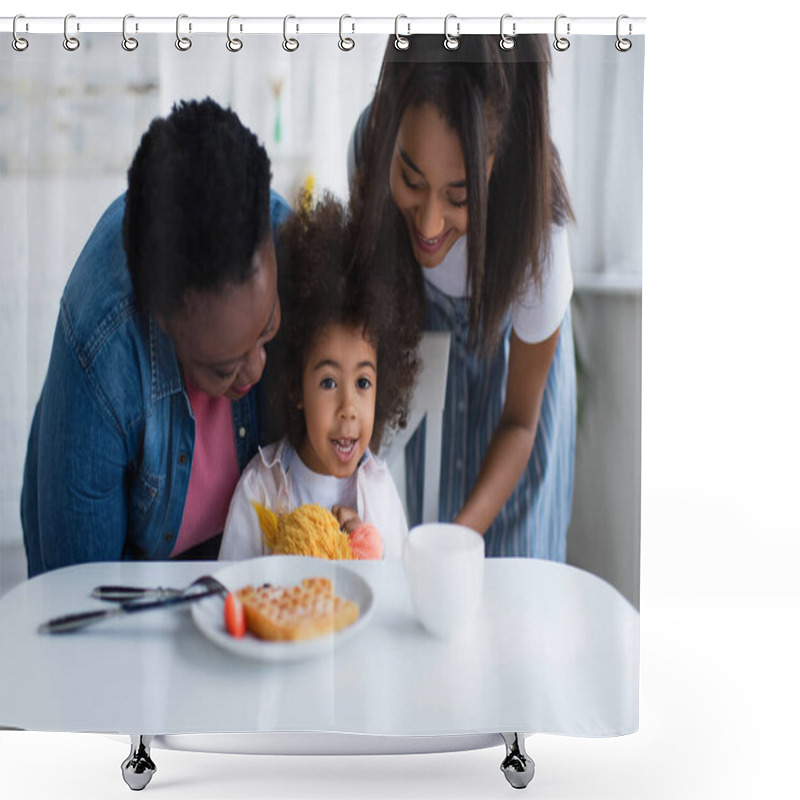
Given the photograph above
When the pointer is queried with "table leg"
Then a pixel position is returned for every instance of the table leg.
(517, 766)
(138, 768)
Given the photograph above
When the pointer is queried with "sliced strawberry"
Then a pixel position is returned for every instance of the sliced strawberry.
(234, 616)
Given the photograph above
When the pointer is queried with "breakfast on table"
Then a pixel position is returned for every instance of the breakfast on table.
(278, 613)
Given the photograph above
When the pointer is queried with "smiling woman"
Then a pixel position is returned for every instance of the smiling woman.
(147, 415)
(430, 188)
(476, 199)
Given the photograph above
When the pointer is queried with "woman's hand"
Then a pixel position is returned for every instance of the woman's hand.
(347, 518)
(513, 439)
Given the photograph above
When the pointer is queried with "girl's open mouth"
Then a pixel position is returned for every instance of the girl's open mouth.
(344, 448)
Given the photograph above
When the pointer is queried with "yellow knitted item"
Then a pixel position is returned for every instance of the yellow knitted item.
(306, 195)
(309, 530)
(267, 521)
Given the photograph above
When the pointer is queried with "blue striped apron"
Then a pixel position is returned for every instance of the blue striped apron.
(534, 520)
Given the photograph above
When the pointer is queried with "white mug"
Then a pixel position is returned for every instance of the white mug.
(444, 567)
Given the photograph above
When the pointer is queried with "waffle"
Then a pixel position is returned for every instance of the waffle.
(311, 609)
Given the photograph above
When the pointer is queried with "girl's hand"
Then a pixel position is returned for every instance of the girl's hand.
(366, 542)
(347, 518)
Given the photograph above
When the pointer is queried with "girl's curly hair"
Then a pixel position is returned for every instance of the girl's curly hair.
(320, 283)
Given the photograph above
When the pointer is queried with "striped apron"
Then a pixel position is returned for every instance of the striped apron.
(533, 522)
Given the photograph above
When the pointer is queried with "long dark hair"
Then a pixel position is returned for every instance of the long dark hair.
(497, 103)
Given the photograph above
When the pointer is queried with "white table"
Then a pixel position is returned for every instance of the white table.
(554, 650)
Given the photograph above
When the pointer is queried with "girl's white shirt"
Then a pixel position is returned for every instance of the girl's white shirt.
(537, 312)
(269, 480)
(308, 486)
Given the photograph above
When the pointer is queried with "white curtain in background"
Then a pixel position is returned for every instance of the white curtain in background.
(597, 125)
(596, 105)
(259, 87)
(69, 126)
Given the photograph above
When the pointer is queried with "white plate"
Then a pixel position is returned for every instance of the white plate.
(208, 615)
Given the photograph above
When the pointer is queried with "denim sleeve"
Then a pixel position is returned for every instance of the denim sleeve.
(279, 211)
(81, 466)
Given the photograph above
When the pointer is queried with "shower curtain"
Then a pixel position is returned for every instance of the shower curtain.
(71, 120)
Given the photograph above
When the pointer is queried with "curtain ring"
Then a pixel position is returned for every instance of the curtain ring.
(128, 42)
(623, 45)
(234, 45)
(451, 42)
(183, 43)
(18, 43)
(70, 43)
(507, 42)
(345, 42)
(401, 42)
(560, 43)
(289, 45)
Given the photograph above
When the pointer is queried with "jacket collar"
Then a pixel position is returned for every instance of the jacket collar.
(165, 371)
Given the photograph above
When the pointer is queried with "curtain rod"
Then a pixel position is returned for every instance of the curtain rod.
(347, 25)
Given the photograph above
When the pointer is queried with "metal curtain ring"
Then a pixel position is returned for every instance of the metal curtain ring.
(70, 42)
(289, 44)
(623, 45)
(507, 42)
(345, 42)
(560, 43)
(128, 42)
(451, 42)
(233, 44)
(401, 42)
(183, 43)
(18, 43)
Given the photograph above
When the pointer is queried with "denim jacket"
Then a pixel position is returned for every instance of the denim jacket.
(110, 448)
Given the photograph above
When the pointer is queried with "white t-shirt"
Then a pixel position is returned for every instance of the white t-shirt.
(537, 312)
(307, 486)
(273, 480)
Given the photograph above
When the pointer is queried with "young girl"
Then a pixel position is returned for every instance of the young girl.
(458, 183)
(345, 364)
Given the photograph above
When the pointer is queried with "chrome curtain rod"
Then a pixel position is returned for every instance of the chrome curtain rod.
(349, 25)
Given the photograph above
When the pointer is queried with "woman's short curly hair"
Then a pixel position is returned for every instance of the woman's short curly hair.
(197, 206)
(320, 284)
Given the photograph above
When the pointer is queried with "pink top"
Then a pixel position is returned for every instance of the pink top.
(215, 470)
